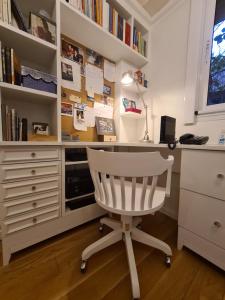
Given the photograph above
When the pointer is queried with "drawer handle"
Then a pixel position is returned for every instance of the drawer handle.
(217, 224)
(33, 172)
(33, 154)
(34, 220)
(33, 188)
(220, 176)
(34, 204)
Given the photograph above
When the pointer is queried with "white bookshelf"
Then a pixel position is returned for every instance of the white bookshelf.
(44, 56)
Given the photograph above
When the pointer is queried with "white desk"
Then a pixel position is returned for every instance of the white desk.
(32, 200)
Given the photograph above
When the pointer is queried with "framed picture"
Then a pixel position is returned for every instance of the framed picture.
(66, 109)
(43, 28)
(40, 128)
(107, 90)
(94, 58)
(67, 72)
(72, 52)
(105, 126)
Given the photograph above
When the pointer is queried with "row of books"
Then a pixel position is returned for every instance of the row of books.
(13, 127)
(10, 13)
(91, 8)
(10, 68)
(139, 44)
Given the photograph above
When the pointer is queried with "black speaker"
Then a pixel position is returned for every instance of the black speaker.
(167, 132)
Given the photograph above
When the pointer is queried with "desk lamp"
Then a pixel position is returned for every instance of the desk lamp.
(128, 79)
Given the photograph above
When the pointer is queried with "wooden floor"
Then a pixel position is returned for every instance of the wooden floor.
(51, 270)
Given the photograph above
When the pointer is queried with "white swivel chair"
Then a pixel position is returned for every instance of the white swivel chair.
(117, 191)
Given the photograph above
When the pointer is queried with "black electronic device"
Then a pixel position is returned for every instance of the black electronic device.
(167, 131)
(191, 139)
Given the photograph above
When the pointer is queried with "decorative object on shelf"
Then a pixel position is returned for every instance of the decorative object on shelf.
(38, 80)
(40, 128)
(66, 109)
(18, 16)
(43, 28)
(127, 79)
(105, 126)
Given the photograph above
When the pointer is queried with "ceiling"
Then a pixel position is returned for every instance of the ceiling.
(153, 6)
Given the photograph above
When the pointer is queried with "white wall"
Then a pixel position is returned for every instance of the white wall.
(168, 70)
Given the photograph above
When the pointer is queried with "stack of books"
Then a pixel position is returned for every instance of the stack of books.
(10, 13)
(116, 24)
(10, 68)
(139, 44)
(106, 16)
(13, 128)
(91, 8)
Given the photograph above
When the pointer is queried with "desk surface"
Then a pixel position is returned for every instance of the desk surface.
(212, 147)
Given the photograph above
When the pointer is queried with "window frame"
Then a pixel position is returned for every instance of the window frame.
(209, 19)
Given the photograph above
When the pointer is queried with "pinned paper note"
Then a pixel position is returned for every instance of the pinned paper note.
(71, 75)
(109, 71)
(89, 117)
(78, 117)
(94, 80)
(103, 111)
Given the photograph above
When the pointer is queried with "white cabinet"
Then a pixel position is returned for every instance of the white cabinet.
(202, 204)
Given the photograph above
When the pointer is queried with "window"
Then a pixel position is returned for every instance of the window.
(212, 94)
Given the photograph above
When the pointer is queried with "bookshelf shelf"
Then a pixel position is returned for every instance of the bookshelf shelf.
(25, 44)
(79, 27)
(133, 88)
(11, 91)
(132, 115)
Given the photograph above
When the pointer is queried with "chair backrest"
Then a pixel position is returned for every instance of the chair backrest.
(109, 167)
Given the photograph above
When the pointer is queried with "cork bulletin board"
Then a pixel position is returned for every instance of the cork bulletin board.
(66, 121)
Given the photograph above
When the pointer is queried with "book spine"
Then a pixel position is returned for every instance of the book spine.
(13, 124)
(8, 66)
(5, 11)
(105, 15)
(110, 19)
(127, 33)
(116, 23)
(8, 124)
(24, 130)
(9, 12)
(18, 16)
(12, 67)
(124, 30)
(1, 10)
(4, 128)
(1, 65)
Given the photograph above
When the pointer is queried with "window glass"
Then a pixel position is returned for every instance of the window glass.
(216, 88)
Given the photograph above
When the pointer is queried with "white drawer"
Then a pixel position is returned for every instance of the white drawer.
(204, 172)
(203, 216)
(23, 154)
(29, 170)
(30, 219)
(29, 187)
(27, 204)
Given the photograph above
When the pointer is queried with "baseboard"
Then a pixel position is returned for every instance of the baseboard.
(170, 213)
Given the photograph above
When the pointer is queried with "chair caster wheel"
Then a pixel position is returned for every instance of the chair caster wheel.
(101, 228)
(168, 261)
(83, 266)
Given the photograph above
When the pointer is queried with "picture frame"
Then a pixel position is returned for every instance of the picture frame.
(107, 90)
(66, 109)
(43, 28)
(105, 126)
(40, 128)
(74, 53)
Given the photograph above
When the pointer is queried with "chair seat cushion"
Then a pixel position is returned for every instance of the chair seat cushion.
(157, 203)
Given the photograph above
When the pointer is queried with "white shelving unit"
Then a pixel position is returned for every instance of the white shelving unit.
(44, 56)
